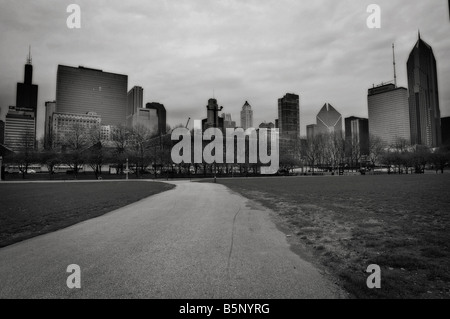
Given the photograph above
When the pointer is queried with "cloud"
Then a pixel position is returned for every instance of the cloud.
(181, 51)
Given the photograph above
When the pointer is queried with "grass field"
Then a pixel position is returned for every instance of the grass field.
(401, 223)
(31, 209)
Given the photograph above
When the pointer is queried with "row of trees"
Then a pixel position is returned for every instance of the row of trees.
(143, 149)
(333, 151)
(82, 145)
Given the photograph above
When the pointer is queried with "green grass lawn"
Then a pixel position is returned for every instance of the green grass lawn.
(32, 209)
(401, 223)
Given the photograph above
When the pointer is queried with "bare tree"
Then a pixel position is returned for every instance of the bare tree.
(314, 150)
(96, 154)
(74, 142)
(376, 149)
(140, 149)
(336, 149)
(121, 140)
(26, 154)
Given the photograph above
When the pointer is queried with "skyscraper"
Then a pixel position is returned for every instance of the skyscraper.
(135, 100)
(50, 108)
(289, 115)
(27, 92)
(329, 120)
(445, 127)
(145, 117)
(424, 110)
(310, 131)
(228, 121)
(389, 113)
(2, 132)
(20, 129)
(246, 116)
(82, 90)
(161, 114)
(356, 134)
(20, 122)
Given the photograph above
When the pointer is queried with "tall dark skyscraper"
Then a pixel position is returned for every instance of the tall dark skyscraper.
(289, 115)
(82, 90)
(356, 131)
(425, 116)
(161, 114)
(289, 125)
(27, 92)
(445, 126)
(2, 132)
(20, 122)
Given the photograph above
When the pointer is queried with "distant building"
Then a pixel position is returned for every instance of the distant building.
(50, 108)
(329, 120)
(161, 114)
(424, 112)
(2, 132)
(106, 132)
(145, 117)
(445, 127)
(246, 116)
(135, 100)
(356, 133)
(277, 124)
(267, 125)
(20, 122)
(389, 113)
(289, 126)
(289, 116)
(20, 129)
(63, 124)
(213, 120)
(310, 131)
(27, 92)
(82, 90)
(227, 121)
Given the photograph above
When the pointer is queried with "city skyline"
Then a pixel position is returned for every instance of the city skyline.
(335, 63)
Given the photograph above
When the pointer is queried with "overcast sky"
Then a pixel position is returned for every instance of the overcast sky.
(179, 51)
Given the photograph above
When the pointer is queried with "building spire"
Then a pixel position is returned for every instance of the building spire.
(29, 59)
(418, 31)
(395, 72)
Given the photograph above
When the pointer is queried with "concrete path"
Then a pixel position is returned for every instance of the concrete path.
(198, 240)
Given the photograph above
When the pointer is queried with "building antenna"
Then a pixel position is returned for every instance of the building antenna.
(29, 55)
(395, 72)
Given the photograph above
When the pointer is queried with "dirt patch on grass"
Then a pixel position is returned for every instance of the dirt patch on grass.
(347, 223)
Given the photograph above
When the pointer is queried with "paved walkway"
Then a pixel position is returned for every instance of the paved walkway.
(198, 240)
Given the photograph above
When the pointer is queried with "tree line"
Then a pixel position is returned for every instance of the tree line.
(146, 152)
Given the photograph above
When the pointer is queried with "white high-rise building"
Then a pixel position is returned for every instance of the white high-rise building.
(389, 113)
(246, 116)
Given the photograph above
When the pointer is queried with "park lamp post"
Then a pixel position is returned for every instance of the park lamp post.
(126, 170)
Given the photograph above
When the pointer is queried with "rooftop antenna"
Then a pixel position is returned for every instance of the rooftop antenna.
(395, 72)
(29, 55)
